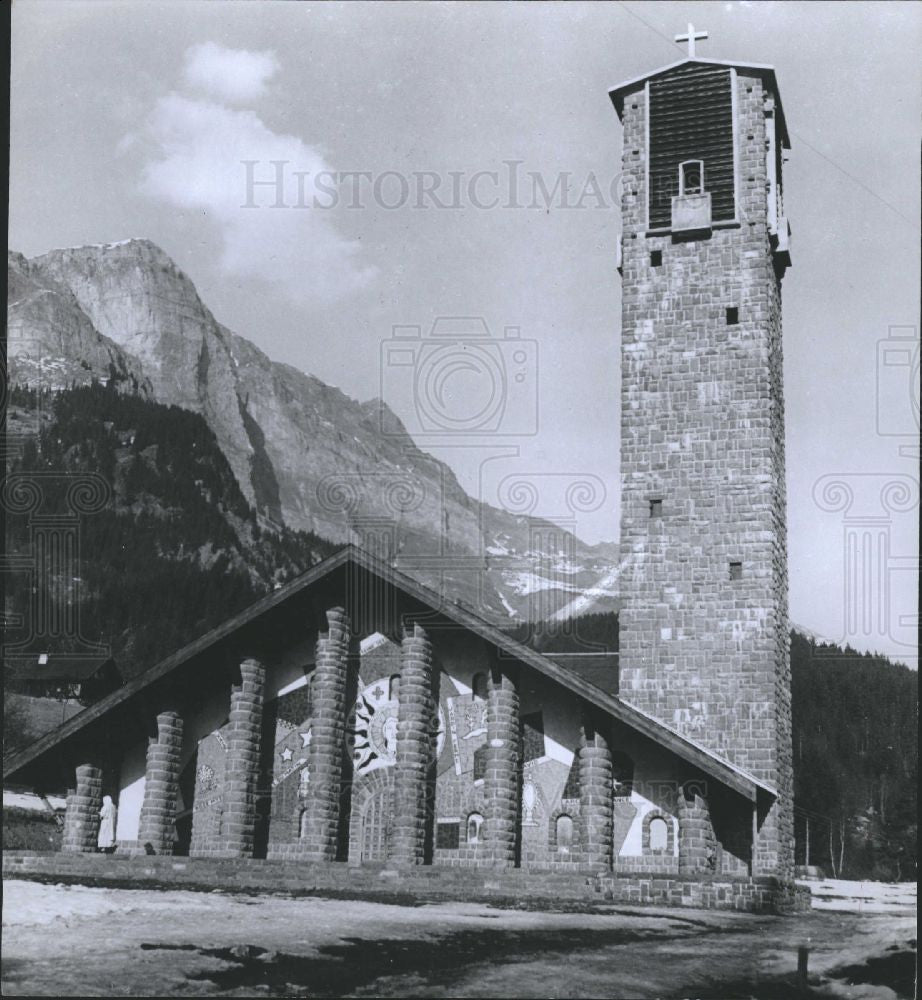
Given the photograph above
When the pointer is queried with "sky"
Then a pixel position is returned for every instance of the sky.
(336, 177)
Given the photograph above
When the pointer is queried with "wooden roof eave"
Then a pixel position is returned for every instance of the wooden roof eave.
(706, 761)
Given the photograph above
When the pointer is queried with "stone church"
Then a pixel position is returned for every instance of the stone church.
(355, 717)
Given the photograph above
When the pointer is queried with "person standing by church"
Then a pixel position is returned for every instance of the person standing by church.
(107, 817)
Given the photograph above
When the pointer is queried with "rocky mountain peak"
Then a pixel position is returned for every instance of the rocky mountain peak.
(305, 454)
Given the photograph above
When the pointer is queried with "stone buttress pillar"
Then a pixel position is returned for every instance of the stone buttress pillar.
(81, 818)
(161, 785)
(596, 803)
(501, 786)
(697, 843)
(244, 730)
(407, 844)
(328, 733)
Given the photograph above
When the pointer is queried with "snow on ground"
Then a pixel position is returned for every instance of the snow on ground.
(862, 897)
(512, 612)
(33, 904)
(81, 941)
(582, 604)
(524, 583)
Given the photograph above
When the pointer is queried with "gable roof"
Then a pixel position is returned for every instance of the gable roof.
(705, 760)
(619, 92)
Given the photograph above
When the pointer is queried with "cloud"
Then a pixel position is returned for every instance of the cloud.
(233, 75)
(195, 151)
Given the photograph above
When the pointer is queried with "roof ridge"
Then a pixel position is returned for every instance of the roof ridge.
(647, 725)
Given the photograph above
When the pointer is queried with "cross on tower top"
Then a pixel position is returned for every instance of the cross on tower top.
(691, 37)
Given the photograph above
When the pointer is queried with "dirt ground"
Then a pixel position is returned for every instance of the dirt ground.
(78, 941)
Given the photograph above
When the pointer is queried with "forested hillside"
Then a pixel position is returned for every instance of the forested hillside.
(175, 551)
(855, 761)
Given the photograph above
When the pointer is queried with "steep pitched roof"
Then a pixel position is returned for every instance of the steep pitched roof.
(619, 92)
(702, 758)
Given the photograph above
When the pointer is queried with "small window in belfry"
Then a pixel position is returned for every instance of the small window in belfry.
(733, 315)
(656, 258)
(691, 177)
(656, 508)
(736, 571)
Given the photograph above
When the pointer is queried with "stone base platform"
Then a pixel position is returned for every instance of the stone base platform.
(410, 885)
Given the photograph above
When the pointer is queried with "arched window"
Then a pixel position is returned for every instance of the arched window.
(691, 177)
(479, 686)
(474, 823)
(659, 834)
(564, 834)
(302, 824)
(393, 688)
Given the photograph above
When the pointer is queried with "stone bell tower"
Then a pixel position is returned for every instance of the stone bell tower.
(704, 623)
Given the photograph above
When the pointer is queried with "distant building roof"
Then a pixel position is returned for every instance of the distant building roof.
(51, 667)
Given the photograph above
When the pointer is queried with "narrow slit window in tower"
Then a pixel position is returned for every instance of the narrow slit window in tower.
(733, 315)
(656, 508)
(691, 177)
(656, 258)
(736, 571)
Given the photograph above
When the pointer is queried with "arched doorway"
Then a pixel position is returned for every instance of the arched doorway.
(374, 826)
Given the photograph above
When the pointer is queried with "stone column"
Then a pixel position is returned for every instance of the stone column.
(501, 786)
(407, 843)
(161, 784)
(243, 749)
(81, 818)
(697, 844)
(595, 791)
(328, 734)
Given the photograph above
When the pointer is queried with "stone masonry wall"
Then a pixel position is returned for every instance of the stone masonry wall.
(596, 800)
(414, 751)
(697, 843)
(703, 431)
(161, 784)
(328, 728)
(501, 788)
(81, 818)
(243, 752)
(508, 887)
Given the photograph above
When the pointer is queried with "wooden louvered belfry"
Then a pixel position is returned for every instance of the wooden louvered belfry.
(691, 119)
